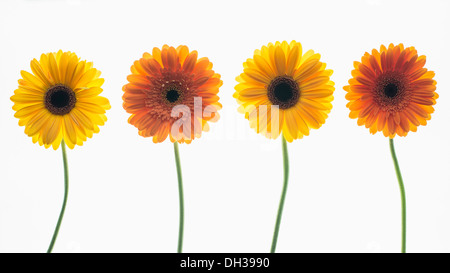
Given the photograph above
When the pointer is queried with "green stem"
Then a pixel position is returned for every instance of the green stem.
(66, 193)
(402, 193)
(283, 194)
(180, 193)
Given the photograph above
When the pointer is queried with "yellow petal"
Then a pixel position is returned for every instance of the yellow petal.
(53, 68)
(69, 131)
(33, 81)
(53, 130)
(293, 60)
(280, 61)
(39, 72)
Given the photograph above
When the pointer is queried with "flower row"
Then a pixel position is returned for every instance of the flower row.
(283, 89)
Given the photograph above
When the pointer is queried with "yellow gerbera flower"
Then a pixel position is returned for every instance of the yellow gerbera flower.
(298, 84)
(284, 90)
(60, 100)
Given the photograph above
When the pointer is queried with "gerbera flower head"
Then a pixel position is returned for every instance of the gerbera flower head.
(391, 91)
(168, 83)
(60, 100)
(285, 90)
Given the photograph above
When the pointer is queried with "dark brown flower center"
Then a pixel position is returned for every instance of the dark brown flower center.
(172, 93)
(283, 91)
(391, 90)
(60, 99)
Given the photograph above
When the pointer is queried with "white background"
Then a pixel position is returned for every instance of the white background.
(343, 194)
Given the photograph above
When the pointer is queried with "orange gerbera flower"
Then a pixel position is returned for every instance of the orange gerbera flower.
(168, 78)
(391, 91)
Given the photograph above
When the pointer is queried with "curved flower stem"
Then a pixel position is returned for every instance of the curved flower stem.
(283, 194)
(180, 192)
(402, 192)
(66, 193)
